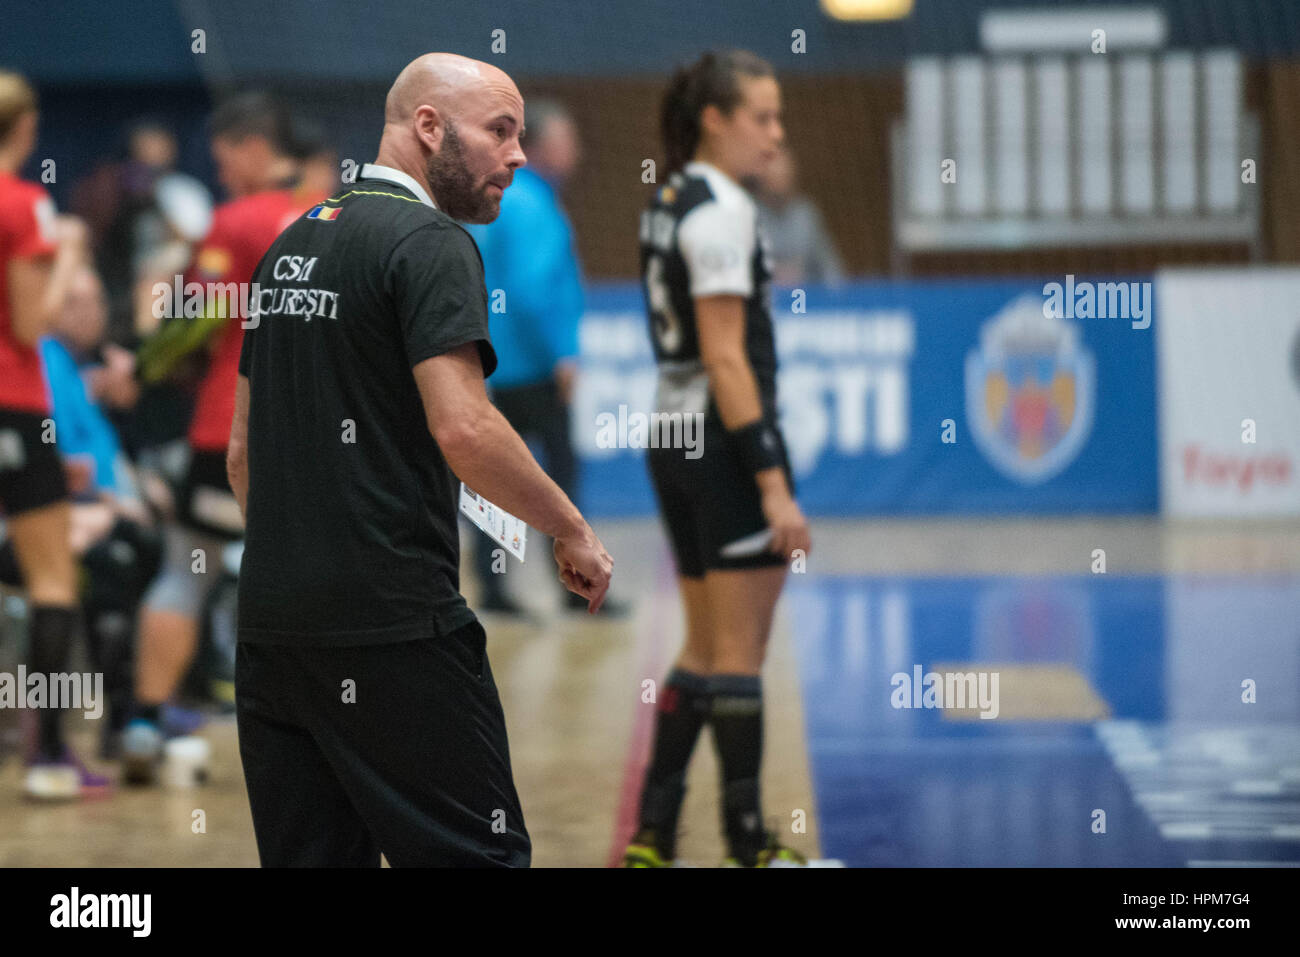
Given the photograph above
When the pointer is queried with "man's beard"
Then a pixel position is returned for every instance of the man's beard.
(453, 184)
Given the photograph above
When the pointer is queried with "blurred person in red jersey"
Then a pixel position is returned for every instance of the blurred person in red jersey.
(40, 252)
(254, 149)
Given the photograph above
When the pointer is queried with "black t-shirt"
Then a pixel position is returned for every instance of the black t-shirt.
(351, 524)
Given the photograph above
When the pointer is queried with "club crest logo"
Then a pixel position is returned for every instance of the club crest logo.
(1030, 391)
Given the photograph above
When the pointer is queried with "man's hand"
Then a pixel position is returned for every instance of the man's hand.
(114, 382)
(89, 525)
(585, 567)
(79, 472)
(490, 457)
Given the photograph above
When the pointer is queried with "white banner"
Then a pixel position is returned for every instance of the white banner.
(1229, 380)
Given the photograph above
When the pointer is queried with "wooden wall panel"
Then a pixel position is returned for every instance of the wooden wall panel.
(839, 128)
(1279, 168)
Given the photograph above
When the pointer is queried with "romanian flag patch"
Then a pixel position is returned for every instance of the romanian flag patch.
(213, 262)
(327, 213)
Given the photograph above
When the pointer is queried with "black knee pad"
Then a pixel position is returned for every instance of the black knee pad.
(120, 568)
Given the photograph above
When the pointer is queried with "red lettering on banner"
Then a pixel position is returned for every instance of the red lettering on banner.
(1220, 469)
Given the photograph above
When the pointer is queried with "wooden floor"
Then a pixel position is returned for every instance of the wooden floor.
(572, 688)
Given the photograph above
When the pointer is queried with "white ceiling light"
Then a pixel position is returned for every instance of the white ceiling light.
(866, 9)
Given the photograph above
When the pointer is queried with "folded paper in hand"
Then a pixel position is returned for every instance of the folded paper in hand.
(497, 524)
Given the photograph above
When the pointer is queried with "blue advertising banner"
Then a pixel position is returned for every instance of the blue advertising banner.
(1005, 396)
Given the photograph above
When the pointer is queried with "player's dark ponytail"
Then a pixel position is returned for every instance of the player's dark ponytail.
(713, 79)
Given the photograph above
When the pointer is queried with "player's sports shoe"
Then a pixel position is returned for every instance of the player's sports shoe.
(643, 855)
(175, 721)
(64, 779)
(778, 855)
(773, 855)
(142, 751)
(642, 852)
(48, 780)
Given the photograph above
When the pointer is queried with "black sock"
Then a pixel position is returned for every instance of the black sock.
(737, 718)
(109, 634)
(682, 710)
(50, 644)
(149, 712)
(118, 570)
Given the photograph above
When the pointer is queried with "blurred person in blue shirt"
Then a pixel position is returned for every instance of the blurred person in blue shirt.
(535, 301)
(86, 439)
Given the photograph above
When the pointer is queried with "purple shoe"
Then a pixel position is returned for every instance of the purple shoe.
(93, 784)
(64, 779)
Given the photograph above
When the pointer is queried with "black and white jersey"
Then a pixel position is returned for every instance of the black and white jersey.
(700, 238)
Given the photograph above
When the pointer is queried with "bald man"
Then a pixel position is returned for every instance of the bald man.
(369, 721)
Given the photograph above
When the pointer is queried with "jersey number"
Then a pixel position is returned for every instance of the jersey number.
(663, 318)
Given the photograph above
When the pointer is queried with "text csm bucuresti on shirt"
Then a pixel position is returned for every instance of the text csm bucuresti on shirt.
(351, 518)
